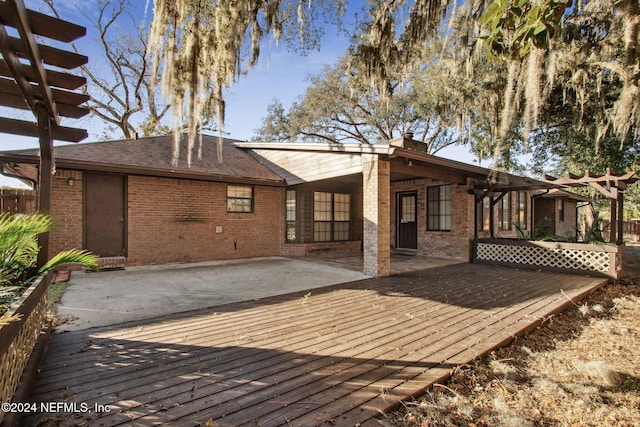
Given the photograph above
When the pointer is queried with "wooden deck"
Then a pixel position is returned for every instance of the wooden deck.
(336, 356)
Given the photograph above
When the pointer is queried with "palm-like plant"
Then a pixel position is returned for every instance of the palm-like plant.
(19, 252)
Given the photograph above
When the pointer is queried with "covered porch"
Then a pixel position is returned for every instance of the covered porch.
(381, 198)
(395, 197)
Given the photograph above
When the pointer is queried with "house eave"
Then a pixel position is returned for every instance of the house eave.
(138, 170)
(483, 178)
(316, 146)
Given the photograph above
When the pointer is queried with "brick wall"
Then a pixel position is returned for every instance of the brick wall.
(66, 211)
(567, 228)
(454, 244)
(376, 208)
(176, 220)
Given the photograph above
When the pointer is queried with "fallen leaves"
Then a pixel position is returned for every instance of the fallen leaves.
(579, 368)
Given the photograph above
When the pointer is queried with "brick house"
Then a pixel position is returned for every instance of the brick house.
(127, 199)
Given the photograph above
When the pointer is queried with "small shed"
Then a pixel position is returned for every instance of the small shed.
(556, 213)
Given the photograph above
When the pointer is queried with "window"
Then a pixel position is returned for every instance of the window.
(239, 198)
(561, 211)
(484, 214)
(504, 212)
(331, 216)
(290, 208)
(521, 205)
(408, 208)
(439, 208)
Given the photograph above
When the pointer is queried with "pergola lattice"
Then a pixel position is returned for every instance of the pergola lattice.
(33, 76)
(610, 185)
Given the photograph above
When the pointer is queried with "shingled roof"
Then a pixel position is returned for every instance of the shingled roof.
(153, 156)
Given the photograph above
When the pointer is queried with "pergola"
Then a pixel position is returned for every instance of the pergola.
(610, 185)
(33, 76)
(496, 186)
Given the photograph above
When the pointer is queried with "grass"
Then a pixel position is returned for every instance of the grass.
(578, 368)
(55, 292)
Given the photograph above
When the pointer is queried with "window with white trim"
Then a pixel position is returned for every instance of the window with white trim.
(239, 198)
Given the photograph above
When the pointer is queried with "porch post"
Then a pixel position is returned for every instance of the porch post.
(376, 191)
(613, 218)
(620, 218)
(45, 178)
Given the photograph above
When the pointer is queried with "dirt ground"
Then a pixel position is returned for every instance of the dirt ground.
(579, 368)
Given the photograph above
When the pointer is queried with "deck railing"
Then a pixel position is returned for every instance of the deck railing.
(18, 338)
(602, 259)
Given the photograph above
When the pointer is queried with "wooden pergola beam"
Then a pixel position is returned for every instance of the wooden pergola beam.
(25, 128)
(67, 101)
(609, 179)
(19, 13)
(609, 194)
(30, 87)
(55, 78)
(64, 110)
(51, 55)
(44, 25)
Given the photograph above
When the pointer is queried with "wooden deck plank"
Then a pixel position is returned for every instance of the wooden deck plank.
(347, 352)
(381, 333)
(397, 358)
(354, 322)
(376, 382)
(349, 307)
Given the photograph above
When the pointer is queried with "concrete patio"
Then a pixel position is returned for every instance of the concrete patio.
(137, 293)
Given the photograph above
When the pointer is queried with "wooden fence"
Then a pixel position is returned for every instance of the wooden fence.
(603, 260)
(18, 338)
(630, 229)
(17, 201)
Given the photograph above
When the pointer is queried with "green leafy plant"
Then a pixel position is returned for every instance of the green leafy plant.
(543, 231)
(516, 26)
(19, 252)
(522, 233)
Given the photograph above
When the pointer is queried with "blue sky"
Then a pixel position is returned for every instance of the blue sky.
(279, 74)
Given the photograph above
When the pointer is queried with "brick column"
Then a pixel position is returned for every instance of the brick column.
(376, 211)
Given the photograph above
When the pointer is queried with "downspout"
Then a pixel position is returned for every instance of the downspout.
(33, 182)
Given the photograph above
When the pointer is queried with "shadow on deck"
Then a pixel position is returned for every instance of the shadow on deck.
(336, 356)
